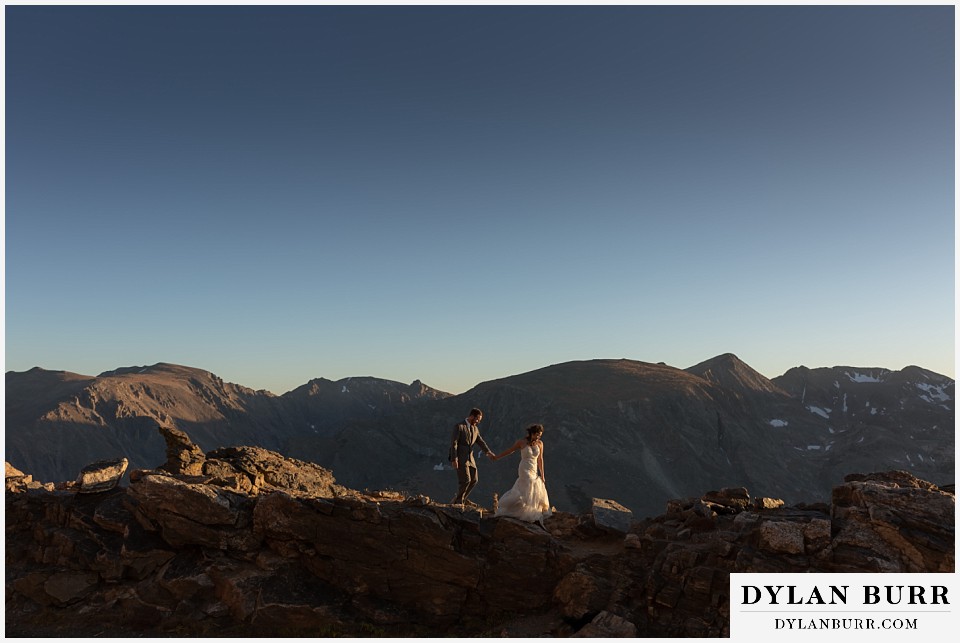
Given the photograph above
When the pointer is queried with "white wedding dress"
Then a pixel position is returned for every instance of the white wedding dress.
(527, 500)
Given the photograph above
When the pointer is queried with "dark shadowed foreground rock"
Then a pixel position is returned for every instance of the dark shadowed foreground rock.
(261, 545)
(607, 625)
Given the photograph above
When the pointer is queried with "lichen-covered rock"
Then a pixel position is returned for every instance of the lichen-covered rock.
(781, 537)
(816, 534)
(267, 469)
(100, 476)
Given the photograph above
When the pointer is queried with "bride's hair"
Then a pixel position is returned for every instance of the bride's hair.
(532, 430)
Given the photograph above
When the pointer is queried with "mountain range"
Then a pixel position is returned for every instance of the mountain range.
(636, 432)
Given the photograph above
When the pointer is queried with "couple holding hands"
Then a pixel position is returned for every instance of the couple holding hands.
(527, 500)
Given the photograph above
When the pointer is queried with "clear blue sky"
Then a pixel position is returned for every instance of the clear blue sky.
(458, 194)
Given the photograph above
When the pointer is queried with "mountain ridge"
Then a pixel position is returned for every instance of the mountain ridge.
(668, 431)
(729, 361)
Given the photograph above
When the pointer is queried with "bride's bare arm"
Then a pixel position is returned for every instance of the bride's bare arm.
(543, 475)
(516, 445)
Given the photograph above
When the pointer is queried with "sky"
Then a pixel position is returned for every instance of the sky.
(457, 194)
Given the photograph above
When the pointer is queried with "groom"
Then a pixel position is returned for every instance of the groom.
(465, 436)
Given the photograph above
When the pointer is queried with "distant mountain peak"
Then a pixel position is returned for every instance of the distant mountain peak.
(728, 360)
(372, 387)
(164, 368)
(40, 372)
(729, 371)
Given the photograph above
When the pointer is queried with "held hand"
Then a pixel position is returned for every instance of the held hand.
(492, 457)
(454, 463)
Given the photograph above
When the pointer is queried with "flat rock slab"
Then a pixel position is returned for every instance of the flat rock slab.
(609, 514)
(101, 476)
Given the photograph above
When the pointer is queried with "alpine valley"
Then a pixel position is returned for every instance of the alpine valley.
(636, 432)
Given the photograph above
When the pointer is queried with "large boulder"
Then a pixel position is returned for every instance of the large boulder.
(103, 475)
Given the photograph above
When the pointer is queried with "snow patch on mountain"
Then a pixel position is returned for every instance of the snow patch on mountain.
(933, 392)
(861, 378)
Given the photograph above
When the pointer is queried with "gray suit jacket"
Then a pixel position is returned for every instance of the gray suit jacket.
(462, 442)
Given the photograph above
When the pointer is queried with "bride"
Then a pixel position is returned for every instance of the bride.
(527, 500)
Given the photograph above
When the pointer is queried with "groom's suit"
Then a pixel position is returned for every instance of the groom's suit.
(465, 436)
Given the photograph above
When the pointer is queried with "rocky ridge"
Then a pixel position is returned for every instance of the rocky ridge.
(668, 432)
(244, 541)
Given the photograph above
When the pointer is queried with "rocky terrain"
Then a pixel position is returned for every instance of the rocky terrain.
(638, 432)
(243, 541)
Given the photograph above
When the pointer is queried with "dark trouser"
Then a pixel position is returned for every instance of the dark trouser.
(467, 476)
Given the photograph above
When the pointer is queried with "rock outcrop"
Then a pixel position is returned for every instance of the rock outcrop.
(183, 456)
(259, 544)
(17, 480)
